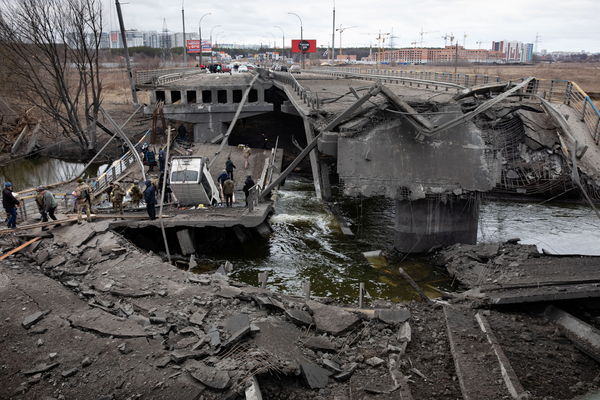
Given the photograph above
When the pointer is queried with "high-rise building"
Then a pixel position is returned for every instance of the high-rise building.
(514, 52)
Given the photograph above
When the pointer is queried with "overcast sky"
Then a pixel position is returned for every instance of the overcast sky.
(570, 25)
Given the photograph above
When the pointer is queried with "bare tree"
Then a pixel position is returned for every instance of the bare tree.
(52, 47)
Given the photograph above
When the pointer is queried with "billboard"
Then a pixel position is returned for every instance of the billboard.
(304, 46)
(206, 46)
(193, 46)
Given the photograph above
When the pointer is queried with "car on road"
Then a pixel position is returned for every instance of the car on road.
(295, 69)
(243, 68)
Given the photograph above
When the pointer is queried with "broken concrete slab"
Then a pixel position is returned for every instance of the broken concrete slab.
(197, 318)
(314, 376)
(238, 326)
(214, 337)
(211, 377)
(69, 372)
(347, 374)
(320, 343)
(33, 319)
(375, 361)
(179, 356)
(332, 319)
(105, 323)
(228, 292)
(269, 302)
(299, 317)
(405, 332)
(392, 317)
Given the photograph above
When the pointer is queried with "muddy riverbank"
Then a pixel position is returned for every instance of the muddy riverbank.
(86, 314)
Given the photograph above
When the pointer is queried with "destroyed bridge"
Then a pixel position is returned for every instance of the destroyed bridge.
(433, 142)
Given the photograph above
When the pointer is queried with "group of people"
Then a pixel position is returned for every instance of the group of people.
(44, 199)
(227, 183)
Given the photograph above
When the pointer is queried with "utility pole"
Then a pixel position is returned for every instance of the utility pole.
(184, 41)
(333, 36)
(127, 62)
(200, 35)
(456, 59)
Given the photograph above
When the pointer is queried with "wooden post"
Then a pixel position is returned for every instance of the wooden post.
(262, 278)
(162, 195)
(361, 294)
(306, 289)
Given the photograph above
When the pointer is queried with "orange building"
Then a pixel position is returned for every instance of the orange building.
(421, 55)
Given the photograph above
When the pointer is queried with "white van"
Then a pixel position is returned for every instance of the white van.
(191, 181)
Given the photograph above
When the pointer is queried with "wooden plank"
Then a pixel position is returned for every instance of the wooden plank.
(478, 373)
(21, 247)
(508, 374)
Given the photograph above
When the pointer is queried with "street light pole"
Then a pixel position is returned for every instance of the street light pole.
(282, 40)
(184, 41)
(301, 38)
(333, 37)
(200, 35)
(211, 42)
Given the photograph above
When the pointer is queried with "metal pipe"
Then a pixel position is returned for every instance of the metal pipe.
(162, 195)
(184, 41)
(127, 62)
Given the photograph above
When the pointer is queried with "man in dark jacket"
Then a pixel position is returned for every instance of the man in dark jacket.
(247, 186)
(10, 204)
(229, 167)
(150, 199)
(228, 189)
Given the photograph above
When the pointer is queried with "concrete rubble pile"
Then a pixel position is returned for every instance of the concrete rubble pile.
(125, 313)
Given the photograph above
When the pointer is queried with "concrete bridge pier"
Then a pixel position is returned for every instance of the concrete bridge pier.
(425, 223)
(204, 132)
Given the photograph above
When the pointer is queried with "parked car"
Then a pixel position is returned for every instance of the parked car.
(191, 181)
(295, 69)
(243, 68)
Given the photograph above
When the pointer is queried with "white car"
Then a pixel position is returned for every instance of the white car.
(191, 181)
(242, 68)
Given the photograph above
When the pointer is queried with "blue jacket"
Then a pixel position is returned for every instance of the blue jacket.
(150, 193)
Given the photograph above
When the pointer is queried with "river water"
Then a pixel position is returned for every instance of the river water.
(307, 244)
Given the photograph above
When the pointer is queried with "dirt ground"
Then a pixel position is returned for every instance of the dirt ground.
(123, 324)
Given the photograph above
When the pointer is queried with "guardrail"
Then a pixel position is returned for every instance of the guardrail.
(308, 97)
(118, 167)
(153, 76)
(553, 90)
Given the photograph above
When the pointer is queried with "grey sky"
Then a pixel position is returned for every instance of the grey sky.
(570, 25)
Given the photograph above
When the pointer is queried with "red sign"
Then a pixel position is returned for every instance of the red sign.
(193, 46)
(304, 46)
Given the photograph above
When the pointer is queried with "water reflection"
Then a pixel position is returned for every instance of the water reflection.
(25, 173)
(556, 228)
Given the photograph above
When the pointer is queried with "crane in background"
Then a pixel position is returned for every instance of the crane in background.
(380, 42)
(421, 34)
(447, 37)
(341, 30)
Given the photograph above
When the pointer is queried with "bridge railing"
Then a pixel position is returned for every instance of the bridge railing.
(553, 90)
(162, 76)
(308, 97)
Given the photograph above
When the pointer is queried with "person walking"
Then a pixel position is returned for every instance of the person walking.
(150, 199)
(161, 160)
(136, 195)
(247, 186)
(83, 200)
(229, 167)
(246, 152)
(228, 188)
(117, 195)
(48, 203)
(39, 201)
(10, 204)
